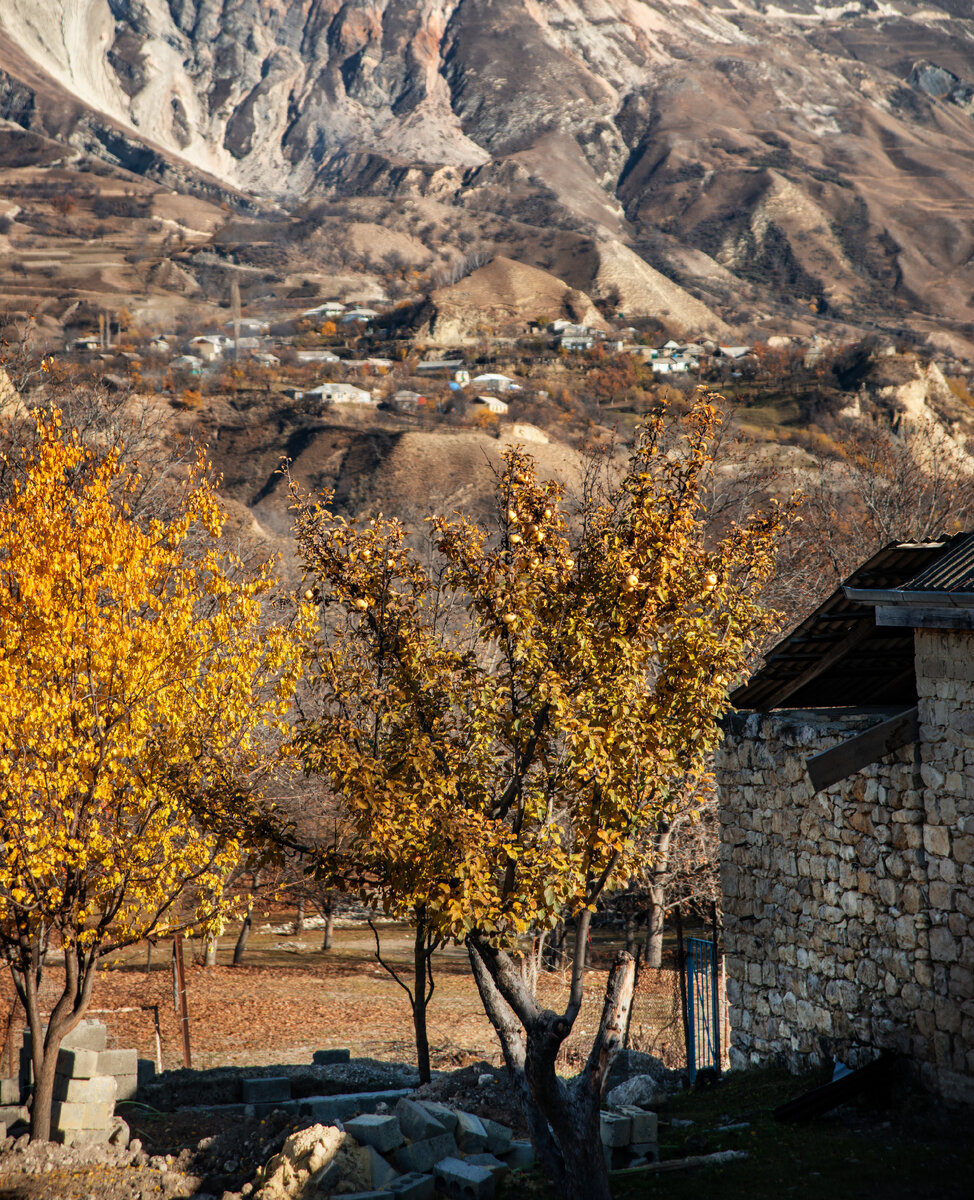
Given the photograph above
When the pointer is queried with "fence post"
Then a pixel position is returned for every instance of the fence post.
(681, 966)
(715, 986)
(177, 950)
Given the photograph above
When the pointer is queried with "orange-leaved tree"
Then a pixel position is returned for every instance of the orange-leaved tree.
(139, 686)
(504, 713)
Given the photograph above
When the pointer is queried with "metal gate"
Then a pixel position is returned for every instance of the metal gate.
(703, 1007)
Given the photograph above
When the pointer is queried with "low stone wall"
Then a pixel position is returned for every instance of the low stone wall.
(845, 925)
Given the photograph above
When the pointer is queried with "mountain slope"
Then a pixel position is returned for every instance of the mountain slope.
(788, 161)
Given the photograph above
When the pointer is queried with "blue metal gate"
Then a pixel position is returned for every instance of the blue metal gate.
(703, 1007)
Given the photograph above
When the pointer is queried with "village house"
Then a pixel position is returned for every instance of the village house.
(330, 310)
(574, 342)
(492, 404)
(316, 356)
(337, 393)
(365, 315)
(500, 383)
(846, 783)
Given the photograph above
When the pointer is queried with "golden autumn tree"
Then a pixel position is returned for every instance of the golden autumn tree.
(502, 715)
(138, 684)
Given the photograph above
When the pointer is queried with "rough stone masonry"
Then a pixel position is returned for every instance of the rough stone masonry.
(849, 913)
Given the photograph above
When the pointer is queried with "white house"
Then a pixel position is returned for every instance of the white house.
(339, 393)
(492, 403)
(365, 315)
(735, 351)
(671, 366)
(501, 383)
(187, 362)
(574, 341)
(317, 356)
(331, 308)
(267, 360)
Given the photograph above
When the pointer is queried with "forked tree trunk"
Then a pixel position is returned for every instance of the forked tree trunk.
(563, 1119)
(244, 936)
(79, 975)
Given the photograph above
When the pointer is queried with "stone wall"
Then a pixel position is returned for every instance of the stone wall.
(848, 912)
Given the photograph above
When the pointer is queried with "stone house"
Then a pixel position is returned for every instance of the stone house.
(846, 784)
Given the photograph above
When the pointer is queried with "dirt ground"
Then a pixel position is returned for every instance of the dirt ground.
(290, 998)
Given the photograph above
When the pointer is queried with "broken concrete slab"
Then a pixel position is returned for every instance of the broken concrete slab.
(446, 1116)
(520, 1156)
(417, 1122)
(382, 1133)
(381, 1173)
(100, 1089)
(645, 1125)
(423, 1156)
(490, 1161)
(10, 1090)
(460, 1179)
(470, 1133)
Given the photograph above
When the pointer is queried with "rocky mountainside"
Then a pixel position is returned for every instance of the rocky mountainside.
(792, 163)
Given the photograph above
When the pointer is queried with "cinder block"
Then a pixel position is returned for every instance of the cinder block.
(78, 1064)
(499, 1137)
(645, 1125)
(381, 1174)
(11, 1114)
(126, 1087)
(86, 1035)
(118, 1062)
(648, 1150)
(382, 1133)
(326, 1058)
(423, 1156)
(520, 1156)
(463, 1180)
(328, 1109)
(413, 1186)
(263, 1091)
(146, 1070)
(416, 1122)
(10, 1090)
(446, 1116)
(98, 1090)
(489, 1161)
(80, 1137)
(616, 1128)
(471, 1134)
(68, 1115)
(270, 1106)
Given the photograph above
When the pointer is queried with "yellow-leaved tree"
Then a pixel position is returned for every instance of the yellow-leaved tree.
(502, 714)
(139, 687)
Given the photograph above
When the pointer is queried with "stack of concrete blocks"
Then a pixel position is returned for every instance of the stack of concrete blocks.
(630, 1137)
(90, 1079)
(13, 1115)
(422, 1149)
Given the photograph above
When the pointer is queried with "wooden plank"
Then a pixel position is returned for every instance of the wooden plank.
(915, 617)
(868, 747)
(819, 666)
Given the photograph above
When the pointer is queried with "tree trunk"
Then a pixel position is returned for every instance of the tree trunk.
(79, 975)
(329, 925)
(299, 918)
(655, 918)
(420, 998)
(629, 927)
(244, 936)
(209, 950)
(563, 1118)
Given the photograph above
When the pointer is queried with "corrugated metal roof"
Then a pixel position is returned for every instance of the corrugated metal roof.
(838, 657)
(953, 571)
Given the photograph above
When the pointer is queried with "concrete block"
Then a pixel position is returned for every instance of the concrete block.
(118, 1062)
(12, 1114)
(520, 1156)
(499, 1137)
(471, 1134)
(98, 1090)
(126, 1087)
(382, 1133)
(460, 1179)
(328, 1109)
(86, 1035)
(263, 1091)
(70, 1115)
(616, 1129)
(413, 1186)
(383, 1195)
(645, 1125)
(10, 1090)
(78, 1064)
(423, 1156)
(417, 1122)
(327, 1058)
(145, 1070)
(381, 1174)
(80, 1137)
(270, 1106)
(446, 1116)
(492, 1163)
(647, 1150)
